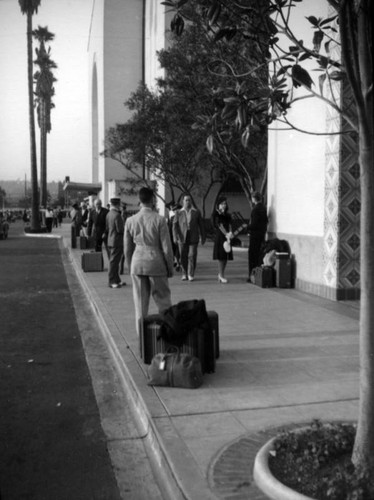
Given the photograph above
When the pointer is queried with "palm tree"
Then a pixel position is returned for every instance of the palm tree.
(44, 91)
(30, 7)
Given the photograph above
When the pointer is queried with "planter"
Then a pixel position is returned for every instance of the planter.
(265, 480)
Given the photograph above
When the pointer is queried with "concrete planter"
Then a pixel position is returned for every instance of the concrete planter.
(267, 483)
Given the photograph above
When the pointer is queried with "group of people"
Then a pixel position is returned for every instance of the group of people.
(152, 246)
(50, 217)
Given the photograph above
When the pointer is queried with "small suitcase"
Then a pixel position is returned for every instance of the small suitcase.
(73, 234)
(92, 261)
(198, 343)
(264, 276)
(83, 243)
(283, 270)
(86, 243)
(214, 324)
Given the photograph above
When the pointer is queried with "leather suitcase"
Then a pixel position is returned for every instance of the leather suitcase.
(73, 236)
(83, 243)
(214, 323)
(198, 343)
(92, 261)
(264, 277)
(86, 243)
(283, 270)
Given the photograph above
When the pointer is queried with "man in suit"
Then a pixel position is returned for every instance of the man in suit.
(97, 225)
(149, 257)
(257, 230)
(84, 212)
(188, 226)
(114, 230)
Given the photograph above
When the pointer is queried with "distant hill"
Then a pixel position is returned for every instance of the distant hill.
(19, 187)
(15, 191)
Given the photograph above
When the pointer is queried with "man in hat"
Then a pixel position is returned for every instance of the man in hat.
(114, 231)
(149, 257)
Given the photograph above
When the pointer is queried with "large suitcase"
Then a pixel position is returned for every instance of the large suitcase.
(92, 261)
(264, 276)
(202, 344)
(283, 270)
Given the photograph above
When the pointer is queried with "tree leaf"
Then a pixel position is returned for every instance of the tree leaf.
(210, 143)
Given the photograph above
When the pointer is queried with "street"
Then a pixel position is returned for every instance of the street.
(66, 431)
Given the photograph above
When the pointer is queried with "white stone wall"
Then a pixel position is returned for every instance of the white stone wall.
(116, 54)
(296, 161)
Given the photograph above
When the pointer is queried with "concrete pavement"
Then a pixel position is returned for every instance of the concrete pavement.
(286, 358)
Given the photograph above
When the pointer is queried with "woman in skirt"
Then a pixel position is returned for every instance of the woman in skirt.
(222, 252)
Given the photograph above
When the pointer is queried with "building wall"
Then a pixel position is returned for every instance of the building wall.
(116, 66)
(296, 175)
(314, 198)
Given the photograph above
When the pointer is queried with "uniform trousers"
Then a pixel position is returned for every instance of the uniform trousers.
(142, 289)
(115, 254)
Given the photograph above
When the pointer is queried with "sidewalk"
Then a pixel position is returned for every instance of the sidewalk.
(286, 358)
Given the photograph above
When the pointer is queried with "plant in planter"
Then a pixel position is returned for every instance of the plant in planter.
(316, 462)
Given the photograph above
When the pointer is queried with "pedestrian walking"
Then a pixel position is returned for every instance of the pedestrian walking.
(149, 257)
(257, 230)
(221, 222)
(49, 219)
(114, 230)
(173, 207)
(188, 227)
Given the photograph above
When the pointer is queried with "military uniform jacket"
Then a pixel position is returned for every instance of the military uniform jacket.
(147, 244)
(114, 228)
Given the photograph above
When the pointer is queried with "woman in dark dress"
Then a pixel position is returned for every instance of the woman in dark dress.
(221, 221)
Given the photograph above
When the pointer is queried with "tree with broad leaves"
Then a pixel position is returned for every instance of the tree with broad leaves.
(30, 7)
(191, 64)
(44, 91)
(160, 134)
(350, 26)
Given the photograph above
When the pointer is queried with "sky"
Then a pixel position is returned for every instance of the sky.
(68, 142)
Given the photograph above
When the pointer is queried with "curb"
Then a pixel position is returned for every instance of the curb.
(267, 483)
(173, 485)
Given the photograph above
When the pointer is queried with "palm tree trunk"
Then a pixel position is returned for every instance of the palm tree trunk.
(35, 222)
(43, 154)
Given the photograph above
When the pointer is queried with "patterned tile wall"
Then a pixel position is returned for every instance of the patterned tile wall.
(342, 202)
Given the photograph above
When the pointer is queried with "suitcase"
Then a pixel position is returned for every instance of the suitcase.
(214, 323)
(198, 343)
(83, 244)
(283, 270)
(264, 276)
(92, 261)
(86, 243)
(73, 234)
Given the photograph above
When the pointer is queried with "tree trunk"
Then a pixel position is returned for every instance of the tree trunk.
(363, 453)
(35, 222)
(43, 154)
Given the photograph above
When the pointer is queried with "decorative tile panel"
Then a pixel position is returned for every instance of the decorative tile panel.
(342, 198)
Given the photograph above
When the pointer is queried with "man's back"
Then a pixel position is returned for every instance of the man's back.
(148, 248)
(114, 227)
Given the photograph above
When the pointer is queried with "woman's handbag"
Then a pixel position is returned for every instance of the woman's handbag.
(175, 369)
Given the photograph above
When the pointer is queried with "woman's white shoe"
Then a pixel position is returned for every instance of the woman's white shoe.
(221, 280)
